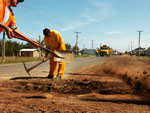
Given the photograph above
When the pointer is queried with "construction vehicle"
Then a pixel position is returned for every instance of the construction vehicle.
(105, 50)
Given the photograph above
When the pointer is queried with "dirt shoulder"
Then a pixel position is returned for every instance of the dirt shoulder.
(100, 87)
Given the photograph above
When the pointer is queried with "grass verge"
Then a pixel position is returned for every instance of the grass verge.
(19, 59)
(80, 56)
(14, 59)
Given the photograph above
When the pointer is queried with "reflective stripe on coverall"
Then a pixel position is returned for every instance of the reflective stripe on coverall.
(52, 43)
(6, 15)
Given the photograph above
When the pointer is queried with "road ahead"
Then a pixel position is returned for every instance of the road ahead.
(17, 70)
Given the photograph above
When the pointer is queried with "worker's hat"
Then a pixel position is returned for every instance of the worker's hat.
(20, 0)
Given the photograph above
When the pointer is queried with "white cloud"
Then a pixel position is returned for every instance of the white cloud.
(98, 11)
(114, 33)
(74, 25)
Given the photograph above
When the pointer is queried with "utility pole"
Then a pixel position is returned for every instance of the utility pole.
(128, 48)
(100, 45)
(3, 47)
(131, 46)
(83, 46)
(39, 48)
(139, 41)
(92, 43)
(77, 36)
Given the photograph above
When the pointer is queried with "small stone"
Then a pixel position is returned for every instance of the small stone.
(136, 78)
(52, 102)
(144, 72)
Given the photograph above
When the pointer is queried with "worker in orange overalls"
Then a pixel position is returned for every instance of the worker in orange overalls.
(54, 41)
(7, 18)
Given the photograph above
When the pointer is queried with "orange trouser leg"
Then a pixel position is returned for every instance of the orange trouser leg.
(53, 67)
(61, 68)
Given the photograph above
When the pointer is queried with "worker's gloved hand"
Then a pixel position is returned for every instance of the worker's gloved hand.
(45, 59)
(9, 32)
(35, 43)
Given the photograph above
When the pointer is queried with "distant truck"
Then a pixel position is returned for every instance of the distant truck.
(105, 51)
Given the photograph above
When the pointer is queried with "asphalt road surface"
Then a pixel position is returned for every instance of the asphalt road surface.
(8, 71)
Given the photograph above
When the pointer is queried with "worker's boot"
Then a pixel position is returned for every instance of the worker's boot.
(50, 77)
(58, 77)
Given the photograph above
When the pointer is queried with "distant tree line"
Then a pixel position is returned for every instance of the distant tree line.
(12, 47)
(74, 48)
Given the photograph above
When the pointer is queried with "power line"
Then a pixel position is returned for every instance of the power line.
(77, 36)
(128, 48)
(33, 12)
(145, 19)
(139, 40)
(131, 46)
(92, 43)
(3, 47)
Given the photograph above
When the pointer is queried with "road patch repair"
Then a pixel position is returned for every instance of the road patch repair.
(116, 85)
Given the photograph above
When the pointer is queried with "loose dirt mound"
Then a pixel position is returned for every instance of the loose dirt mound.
(67, 86)
(134, 71)
(107, 87)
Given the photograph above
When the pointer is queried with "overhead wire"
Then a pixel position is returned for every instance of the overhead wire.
(144, 22)
(30, 10)
(145, 19)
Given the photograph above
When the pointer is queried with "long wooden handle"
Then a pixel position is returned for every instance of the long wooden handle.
(29, 69)
(35, 66)
(20, 36)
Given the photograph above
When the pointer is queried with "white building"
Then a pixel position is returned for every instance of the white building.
(90, 51)
(29, 53)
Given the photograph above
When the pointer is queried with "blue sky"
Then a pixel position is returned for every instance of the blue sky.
(108, 22)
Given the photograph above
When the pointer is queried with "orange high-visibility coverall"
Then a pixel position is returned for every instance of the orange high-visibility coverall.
(11, 18)
(52, 43)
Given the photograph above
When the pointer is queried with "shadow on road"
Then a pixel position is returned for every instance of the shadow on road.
(137, 102)
(78, 74)
(27, 78)
(35, 97)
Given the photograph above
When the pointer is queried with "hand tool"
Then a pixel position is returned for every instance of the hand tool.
(29, 69)
(20, 36)
(68, 56)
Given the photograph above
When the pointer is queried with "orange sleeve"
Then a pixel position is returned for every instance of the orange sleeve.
(2, 10)
(46, 42)
(60, 39)
(12, 20)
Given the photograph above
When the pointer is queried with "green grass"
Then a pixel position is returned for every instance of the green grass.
(142, 57)
(80, 56)
(19, 59)
(9, 60)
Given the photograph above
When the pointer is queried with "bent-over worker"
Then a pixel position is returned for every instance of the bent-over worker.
(54, 41)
